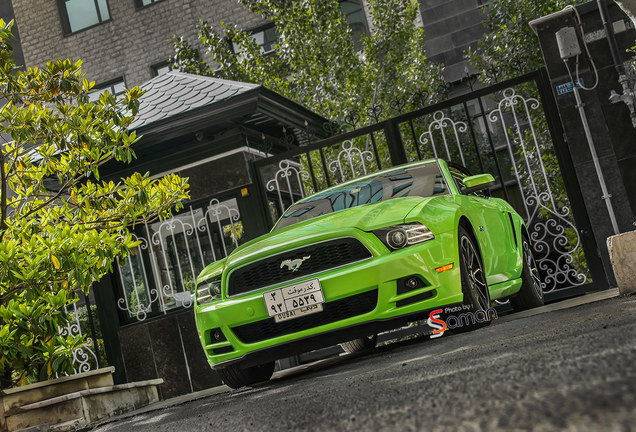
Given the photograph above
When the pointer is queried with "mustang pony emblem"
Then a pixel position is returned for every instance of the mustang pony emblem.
(293, 265)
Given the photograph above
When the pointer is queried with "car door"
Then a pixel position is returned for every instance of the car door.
(494, 232)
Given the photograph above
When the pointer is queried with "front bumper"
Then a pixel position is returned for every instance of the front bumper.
(377, 275)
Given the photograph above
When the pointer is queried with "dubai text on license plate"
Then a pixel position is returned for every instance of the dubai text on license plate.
(293, 301)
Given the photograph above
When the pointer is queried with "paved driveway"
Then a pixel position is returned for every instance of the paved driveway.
(572, 369)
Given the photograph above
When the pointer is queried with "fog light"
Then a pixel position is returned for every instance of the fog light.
(216, 335)
(412, 283)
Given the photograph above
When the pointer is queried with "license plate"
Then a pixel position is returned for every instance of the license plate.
(293, 301)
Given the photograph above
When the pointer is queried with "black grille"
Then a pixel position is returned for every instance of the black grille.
(222, 350)
(416, 298)
(323, 256)
(333, 311)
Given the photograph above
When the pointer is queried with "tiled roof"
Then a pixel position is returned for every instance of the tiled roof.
(176, 93)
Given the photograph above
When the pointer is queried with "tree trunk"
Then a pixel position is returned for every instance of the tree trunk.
(5, 380)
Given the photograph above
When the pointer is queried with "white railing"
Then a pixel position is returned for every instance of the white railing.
(160, 272)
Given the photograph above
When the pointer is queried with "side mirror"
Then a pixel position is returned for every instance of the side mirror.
(477, 182)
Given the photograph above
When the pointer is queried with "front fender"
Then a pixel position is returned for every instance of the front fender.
(440, 215)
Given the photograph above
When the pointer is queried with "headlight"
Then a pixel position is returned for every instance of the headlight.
(209, 290)
(399, 236)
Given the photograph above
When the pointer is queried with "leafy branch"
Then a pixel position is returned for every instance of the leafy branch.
(61, 225)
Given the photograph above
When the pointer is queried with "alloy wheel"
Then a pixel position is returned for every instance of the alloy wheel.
(475, 272)
(534, 269)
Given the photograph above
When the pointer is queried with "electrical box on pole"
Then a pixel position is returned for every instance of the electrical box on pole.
(568, 43)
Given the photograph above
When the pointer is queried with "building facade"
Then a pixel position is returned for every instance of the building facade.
(119, 41)
(451, 27)
(124, 43)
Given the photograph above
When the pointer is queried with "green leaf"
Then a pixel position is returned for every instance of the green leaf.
(48, 247)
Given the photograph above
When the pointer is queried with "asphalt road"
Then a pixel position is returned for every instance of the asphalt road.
(572, 369)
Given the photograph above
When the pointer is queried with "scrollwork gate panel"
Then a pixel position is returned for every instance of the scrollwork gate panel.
(160, 273)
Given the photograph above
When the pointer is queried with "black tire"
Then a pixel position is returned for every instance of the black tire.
(531, 293)
(473, 277)
(360, 345)
(237, 377)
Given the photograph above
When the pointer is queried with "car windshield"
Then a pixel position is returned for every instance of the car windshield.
(422, 180)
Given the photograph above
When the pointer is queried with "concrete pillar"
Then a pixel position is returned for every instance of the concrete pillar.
(622, 250)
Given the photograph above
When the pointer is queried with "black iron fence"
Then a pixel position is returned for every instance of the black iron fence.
(510, 129)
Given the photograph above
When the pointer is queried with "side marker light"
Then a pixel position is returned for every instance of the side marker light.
(444, 268)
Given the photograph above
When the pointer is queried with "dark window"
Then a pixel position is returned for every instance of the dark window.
(115, 87)
(161, 68)
(80, 14)
(458, 176)
(265, 38)
(354, 13)
(424, 180)
(144, 3)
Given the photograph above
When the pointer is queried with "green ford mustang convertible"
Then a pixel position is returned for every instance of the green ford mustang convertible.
(361, 258)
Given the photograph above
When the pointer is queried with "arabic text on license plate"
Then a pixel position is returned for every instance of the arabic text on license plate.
(295, 300)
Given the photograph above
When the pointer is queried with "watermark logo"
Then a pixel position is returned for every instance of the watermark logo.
(455, 317)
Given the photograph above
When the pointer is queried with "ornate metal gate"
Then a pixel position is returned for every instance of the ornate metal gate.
(160, 273)
(507, 129)
(88, 356)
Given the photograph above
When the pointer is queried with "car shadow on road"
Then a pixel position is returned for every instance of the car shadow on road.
(309, 369)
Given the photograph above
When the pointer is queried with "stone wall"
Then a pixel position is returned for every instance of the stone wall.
(128, 44)
(167, 348)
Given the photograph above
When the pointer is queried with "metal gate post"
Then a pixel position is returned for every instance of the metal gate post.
(394, 142)
(104, 292)
(259, 205)
(568, 174)
(91, 323)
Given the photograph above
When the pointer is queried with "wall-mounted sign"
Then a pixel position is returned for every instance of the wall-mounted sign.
(568, 87)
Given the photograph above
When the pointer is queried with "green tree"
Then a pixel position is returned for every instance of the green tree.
(510, 48)
(61, 226)
(316, 61)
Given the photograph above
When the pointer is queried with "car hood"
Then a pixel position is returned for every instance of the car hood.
(213, 269)
(366, 218)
